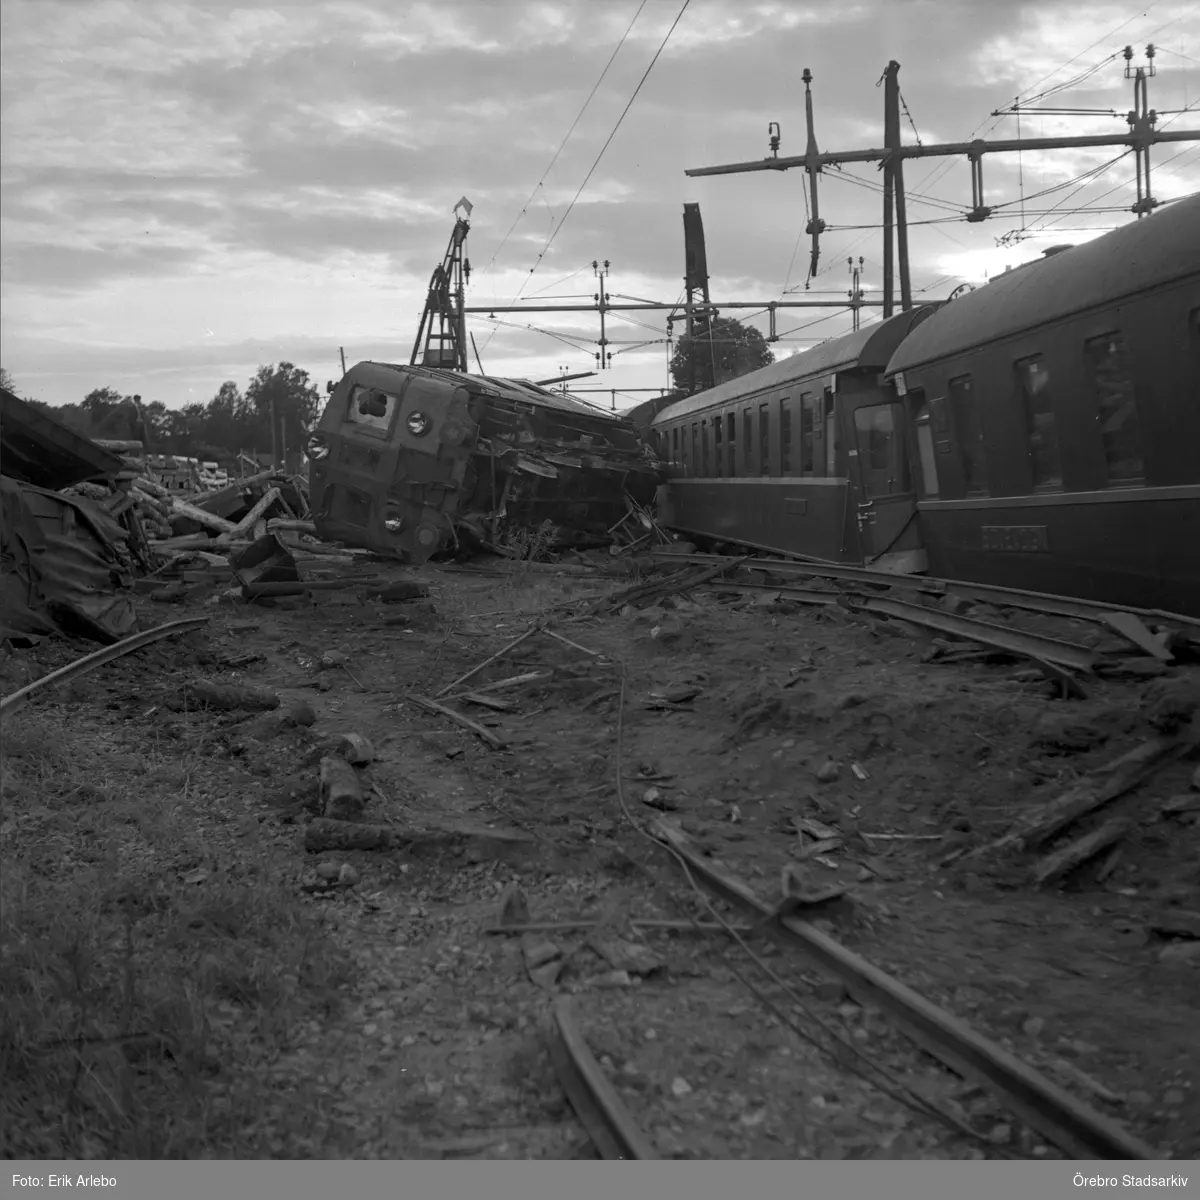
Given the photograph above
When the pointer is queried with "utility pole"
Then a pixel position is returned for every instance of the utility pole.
(894, 193)
(812, 159)
(855, 292)
(1141, 135)
(603, 358)
(1141, 124)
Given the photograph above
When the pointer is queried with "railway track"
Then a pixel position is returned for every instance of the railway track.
(1063, 1121)
(1096, 611)
(1073, 1127)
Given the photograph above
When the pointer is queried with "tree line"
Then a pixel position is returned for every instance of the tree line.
(231, 422)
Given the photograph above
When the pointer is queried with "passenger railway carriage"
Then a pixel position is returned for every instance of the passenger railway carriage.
(1041, 432)
(806, 456)
(1055, 414)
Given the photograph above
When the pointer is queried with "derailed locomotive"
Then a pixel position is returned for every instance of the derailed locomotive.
(410, 460)
(1041, 432)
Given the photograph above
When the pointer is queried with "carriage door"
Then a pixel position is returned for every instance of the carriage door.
(879, 471)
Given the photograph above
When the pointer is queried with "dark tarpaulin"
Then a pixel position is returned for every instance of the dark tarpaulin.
(35, 448)
(62, 569)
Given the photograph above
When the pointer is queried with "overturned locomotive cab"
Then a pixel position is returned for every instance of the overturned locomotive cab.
(410, 460)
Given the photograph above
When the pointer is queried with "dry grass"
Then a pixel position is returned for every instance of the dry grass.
(152, 965)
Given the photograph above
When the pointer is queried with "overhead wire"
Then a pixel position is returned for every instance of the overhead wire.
(608, 141)
(562, 144)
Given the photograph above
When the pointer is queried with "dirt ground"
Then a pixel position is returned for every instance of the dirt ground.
(178, 980)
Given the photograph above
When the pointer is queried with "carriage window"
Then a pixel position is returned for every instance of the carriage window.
(371, 408)
(695, 449)
(747, 439)
(717, 463)
(882, 461)
(831, 434)
(764, 439)
(704, 448)
(1033, 378)
(808, 406)
(785, 436)
(925, 451)
(731, 441)
(968, 428)
(675, 445)
(1111, 370)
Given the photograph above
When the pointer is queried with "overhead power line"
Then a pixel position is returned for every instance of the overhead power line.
(607, 143)
(562, 144)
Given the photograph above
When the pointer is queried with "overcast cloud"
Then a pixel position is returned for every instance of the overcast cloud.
(192, 189)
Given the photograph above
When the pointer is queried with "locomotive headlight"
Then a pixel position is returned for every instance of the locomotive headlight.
(316, 447)
(417, 423)
(393, 522)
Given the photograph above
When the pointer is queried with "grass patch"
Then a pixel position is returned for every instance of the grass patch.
(153, 964)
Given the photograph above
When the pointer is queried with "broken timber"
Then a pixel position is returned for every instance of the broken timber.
(658, 589)
(466, 722)
(1064, 860)
(1092, 792)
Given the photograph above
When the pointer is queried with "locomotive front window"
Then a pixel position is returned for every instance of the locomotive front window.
(1111, 369)
(968, 428)
(371, 408)
(1033, 379)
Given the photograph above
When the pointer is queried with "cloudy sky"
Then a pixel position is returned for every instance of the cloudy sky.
(193, 189)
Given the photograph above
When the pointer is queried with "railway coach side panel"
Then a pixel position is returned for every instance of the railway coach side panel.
(1138, 548)
(791, 516)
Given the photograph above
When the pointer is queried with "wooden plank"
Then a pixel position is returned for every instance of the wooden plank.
(466, 722)
(1092, 792)
(1074, 854)
(184, 509)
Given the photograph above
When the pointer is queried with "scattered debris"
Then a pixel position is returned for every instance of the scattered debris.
(514, 907)
(1092, 792)
(486, 735)
(1176, 922)
(357, 750)
(324, 833)
(1063, 861)
(225, 697)
(342, 795)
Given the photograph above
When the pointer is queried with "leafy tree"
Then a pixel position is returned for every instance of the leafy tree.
(295, 399)
(6, 382)
(720, 349)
